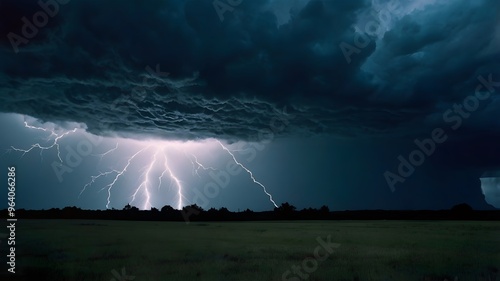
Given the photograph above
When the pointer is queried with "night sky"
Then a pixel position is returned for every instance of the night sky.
(350, 104)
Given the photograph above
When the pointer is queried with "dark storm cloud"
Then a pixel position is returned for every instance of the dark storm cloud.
(174, 69)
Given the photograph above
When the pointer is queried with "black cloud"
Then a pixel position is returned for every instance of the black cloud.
(173, 69)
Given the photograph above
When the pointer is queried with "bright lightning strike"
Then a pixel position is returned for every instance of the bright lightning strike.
(156, 169)
(162, 174)
(177, 182)
(38, 128)
(119, 174)
(106, 153)
(55, 142)
(199, 165)
(249, 172)
(95, 178)
(145, 184)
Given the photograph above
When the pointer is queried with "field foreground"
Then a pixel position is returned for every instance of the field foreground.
(314, 250)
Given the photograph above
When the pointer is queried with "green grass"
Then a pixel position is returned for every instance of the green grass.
(370, 250)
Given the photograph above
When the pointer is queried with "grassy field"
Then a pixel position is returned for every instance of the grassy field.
(369, 250)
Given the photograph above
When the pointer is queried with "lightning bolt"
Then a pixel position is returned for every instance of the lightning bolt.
(176, 180)
(199, 165)
(249, 172)
(158, 159)
(144, 185)
(162, 173)
(146, 175)
(106, 153)
(26, 125)
(55, 142)
(119, 174)
(95, 178)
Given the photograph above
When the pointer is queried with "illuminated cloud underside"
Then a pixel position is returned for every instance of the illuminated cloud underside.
(491, 190)
(157, 167)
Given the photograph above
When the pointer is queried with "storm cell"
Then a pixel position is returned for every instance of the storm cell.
(491, 190)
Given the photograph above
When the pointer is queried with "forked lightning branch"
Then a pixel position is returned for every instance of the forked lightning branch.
(152, 175)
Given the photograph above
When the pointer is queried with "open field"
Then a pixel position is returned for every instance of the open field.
(369, 250)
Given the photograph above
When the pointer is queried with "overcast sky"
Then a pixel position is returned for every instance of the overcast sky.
(349, 104)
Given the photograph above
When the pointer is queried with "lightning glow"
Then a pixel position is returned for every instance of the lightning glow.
(119, 174)
(162, 174)
(199, 165)
(249, 172)
(154, 156)
(159, 155)
(55, 142)
(177, 182)
(106, 153)
(95, 178)
(145, 184)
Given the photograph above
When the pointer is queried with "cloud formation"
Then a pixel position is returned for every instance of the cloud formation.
(173, 69)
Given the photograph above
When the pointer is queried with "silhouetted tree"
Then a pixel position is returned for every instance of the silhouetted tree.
(212, 210)
(324, 209)
(285, 208)
(285, 211)
(191, 212)
(70, 212)
(167, 209)
(130, 208)
(192, 208)
(462, 208)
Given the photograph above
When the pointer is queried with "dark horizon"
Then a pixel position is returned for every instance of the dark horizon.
(361, 105)
(285, 211)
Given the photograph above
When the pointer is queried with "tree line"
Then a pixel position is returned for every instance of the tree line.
(284, 212)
